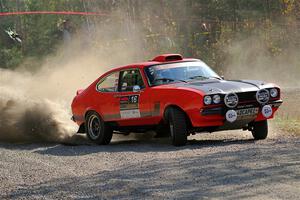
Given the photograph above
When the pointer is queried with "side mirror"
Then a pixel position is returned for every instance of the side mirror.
(222, 77)
(136, 88)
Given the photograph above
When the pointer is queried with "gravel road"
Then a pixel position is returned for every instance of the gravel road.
(225, 165)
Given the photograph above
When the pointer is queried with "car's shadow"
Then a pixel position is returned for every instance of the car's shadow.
(80, 145)
(140, 140)
(135, 145)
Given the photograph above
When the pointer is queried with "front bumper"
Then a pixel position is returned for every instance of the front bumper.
(222, 110)
(215, 116)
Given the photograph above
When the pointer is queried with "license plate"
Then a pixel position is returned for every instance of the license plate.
(247, 112)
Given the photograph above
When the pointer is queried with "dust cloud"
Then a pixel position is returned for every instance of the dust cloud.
(250, 58)
(35, 104)
(26, 120)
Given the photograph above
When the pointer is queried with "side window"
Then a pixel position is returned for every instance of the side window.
(109, 83)
(130, 78)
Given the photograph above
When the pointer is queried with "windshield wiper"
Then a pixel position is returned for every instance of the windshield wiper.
(198, 76)
(168, 79)
(204, 77)
(215, 77)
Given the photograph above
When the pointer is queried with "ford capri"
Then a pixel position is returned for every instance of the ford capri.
(173, 96)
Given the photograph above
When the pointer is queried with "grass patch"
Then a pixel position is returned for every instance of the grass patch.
(288, 124)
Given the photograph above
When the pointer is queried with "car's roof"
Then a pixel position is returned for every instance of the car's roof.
(158, 60)
(142, 65)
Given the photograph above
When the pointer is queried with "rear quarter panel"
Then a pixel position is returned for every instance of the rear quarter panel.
(85, 101)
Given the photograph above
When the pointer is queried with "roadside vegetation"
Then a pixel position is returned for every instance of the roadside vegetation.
(196, 28)
(288, 117)
(291, 126)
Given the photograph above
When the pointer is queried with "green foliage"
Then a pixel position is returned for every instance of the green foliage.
(200, 28)
(10, 57)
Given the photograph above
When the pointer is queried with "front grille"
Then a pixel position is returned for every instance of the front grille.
(246, 96)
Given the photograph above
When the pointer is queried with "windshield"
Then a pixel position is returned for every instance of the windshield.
(184, 71)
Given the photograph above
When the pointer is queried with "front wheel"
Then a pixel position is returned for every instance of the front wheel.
(260, 130)
(177, 126)
(97, 130)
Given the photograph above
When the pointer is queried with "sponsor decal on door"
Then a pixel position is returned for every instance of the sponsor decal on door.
(129, 107)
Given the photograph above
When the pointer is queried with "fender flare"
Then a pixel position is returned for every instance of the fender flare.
(165, 114)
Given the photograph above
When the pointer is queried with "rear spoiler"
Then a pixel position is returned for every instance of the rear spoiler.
(79, 91)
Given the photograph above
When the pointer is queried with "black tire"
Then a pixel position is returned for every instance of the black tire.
(96, 130)
(162, 131)
(178, 126)
(260, 130)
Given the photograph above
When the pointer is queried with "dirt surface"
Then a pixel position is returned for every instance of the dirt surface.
(226, 165)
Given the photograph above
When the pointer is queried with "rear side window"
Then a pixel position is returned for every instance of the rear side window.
(109, 83)
(130, 78)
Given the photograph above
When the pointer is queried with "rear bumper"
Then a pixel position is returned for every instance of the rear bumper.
(77, 119)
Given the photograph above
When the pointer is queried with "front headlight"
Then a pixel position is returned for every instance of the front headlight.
(231, 100)
(274, 92)
(262, 96)
(207, 100)
(216, 99)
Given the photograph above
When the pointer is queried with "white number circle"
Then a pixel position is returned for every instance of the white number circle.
(267, 111)
(231, 116)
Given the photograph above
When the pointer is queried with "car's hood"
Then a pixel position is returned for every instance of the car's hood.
(226, 86)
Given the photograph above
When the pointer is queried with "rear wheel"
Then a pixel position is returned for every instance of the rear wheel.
(177, 126)
(260, 130)
(97, 130)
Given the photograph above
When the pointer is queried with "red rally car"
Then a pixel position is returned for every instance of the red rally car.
(175, 96)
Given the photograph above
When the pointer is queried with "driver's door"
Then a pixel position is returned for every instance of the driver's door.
(133, 98)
